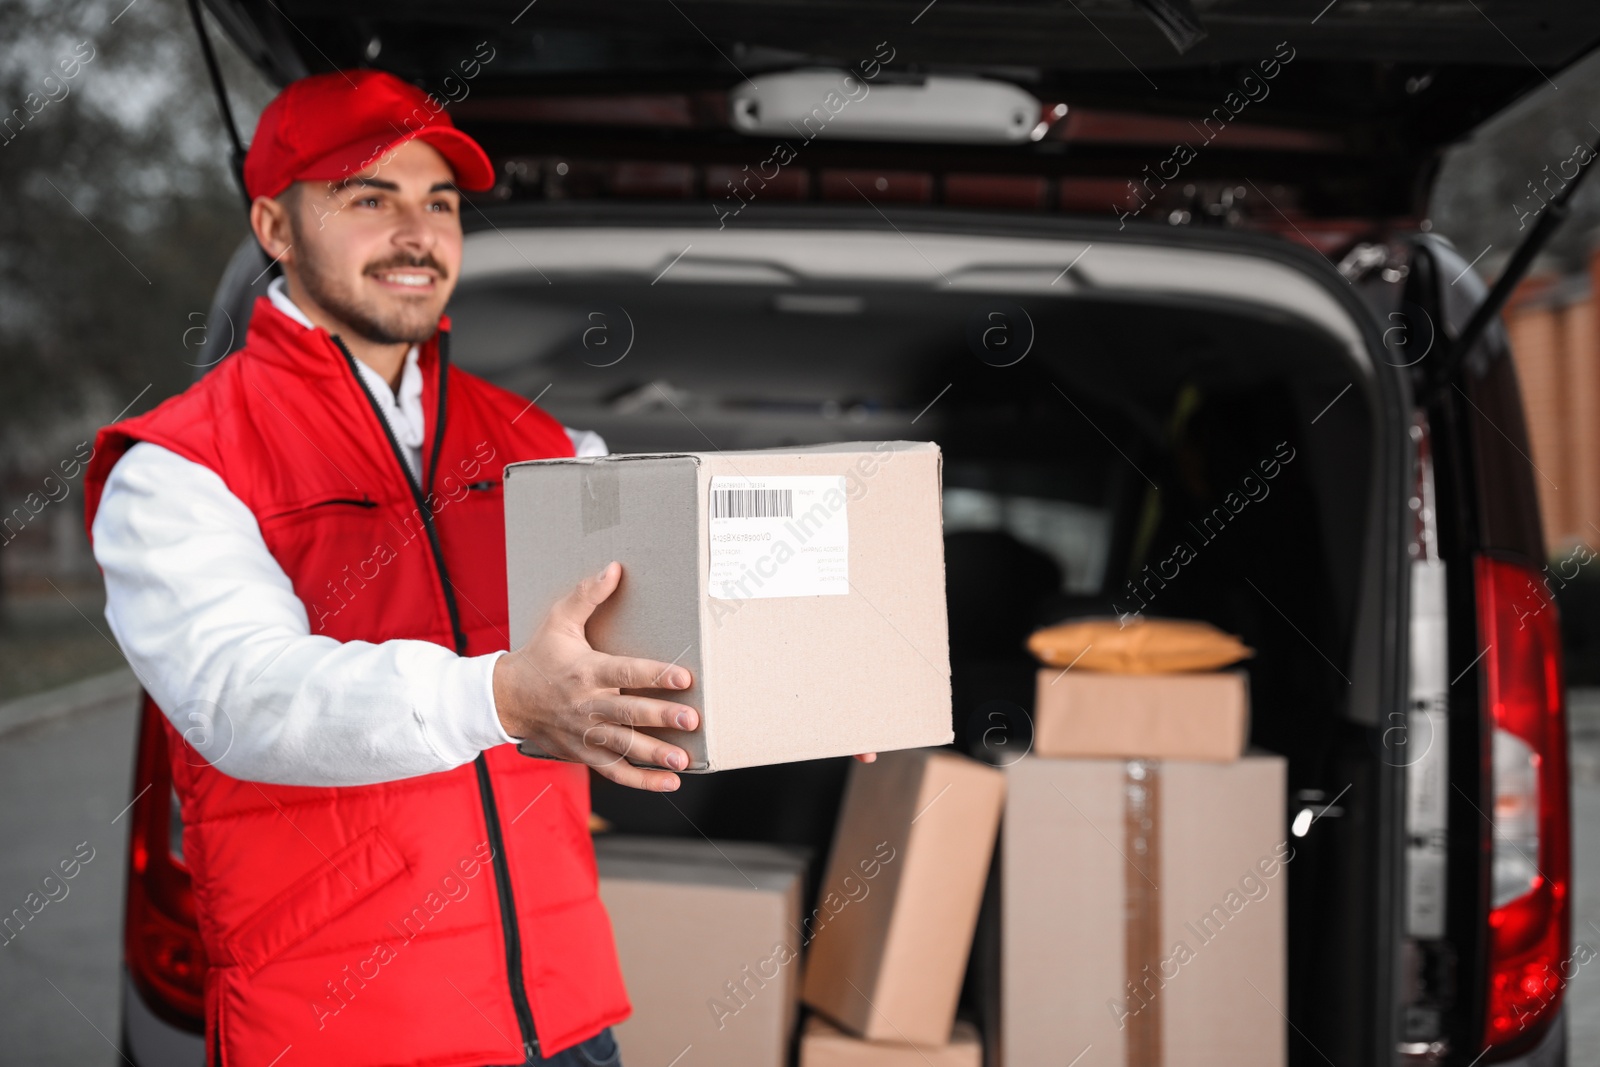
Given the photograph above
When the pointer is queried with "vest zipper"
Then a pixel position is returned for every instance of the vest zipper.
(491, 817)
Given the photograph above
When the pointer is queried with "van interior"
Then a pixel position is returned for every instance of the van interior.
(1165, 429)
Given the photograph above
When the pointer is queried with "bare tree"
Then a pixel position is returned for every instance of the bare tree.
(117, 213)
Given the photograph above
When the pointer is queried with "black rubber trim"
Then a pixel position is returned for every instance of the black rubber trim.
(491, 816)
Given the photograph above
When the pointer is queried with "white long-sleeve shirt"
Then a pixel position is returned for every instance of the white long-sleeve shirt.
(211, 625)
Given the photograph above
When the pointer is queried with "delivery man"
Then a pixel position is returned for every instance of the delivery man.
(304, 557)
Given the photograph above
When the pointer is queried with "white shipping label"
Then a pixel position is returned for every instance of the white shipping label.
(779, 536)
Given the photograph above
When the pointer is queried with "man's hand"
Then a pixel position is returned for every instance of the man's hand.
(565, 697)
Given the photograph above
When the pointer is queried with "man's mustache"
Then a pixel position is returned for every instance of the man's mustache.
(400, 262)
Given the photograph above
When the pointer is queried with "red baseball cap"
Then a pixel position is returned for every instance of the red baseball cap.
(329, 127)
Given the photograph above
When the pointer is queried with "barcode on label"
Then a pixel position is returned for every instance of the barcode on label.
(752, 503)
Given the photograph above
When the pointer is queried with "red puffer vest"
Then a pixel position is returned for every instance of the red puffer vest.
(375, 925)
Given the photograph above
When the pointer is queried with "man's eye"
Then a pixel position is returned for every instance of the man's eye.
(444, 207)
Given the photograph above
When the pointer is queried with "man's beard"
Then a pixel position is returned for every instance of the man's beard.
(409, 324)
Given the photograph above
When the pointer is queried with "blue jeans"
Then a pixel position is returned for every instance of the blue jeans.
(599, 1051)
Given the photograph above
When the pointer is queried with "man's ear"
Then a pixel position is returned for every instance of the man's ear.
(269, 220)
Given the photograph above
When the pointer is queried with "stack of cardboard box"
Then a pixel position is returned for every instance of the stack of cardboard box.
(712, 934)
(1142, 878)
(890, 937)
(1142, 902)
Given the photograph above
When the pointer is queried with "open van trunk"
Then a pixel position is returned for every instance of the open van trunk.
(1099, 389)
(1101, 400)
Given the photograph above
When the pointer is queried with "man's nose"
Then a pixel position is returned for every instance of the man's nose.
(413, 232)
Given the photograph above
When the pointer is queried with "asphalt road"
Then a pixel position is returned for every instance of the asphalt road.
(64, 782)
(64, 785)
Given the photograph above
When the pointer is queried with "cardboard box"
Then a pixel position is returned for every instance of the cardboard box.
(823, 1045)
(803, 587)
(1142, 912)
(709, 943)
(1080, 714)
(893, 927)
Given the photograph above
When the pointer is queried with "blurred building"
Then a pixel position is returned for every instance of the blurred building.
(1555, 340)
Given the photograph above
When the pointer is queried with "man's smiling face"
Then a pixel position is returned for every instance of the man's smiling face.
(378, 255)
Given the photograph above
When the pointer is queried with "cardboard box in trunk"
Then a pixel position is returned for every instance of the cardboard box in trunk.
(708, 936)
(891, 933)
(1082, 714)
(803, 587)
(824, 1045)
(1142, 912)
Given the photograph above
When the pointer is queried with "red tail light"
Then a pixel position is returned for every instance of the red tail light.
(1530, 916)
(161, 943)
